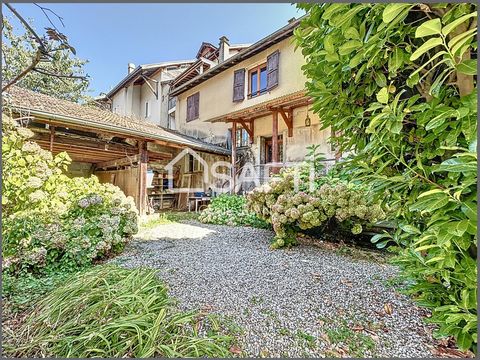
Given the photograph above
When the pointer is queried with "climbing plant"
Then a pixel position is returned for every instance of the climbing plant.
(396, 83)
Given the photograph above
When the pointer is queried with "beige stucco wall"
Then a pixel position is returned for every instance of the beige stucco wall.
(130, 101)
(217, 92)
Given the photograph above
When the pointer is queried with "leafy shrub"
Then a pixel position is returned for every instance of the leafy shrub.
(51, 221)
(230, 210)
(397, 84)
(289, 211)
(112, 312)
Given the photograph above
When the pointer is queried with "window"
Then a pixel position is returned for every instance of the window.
(193, 102)
(257, 81)
(242, 138)
(147, 109)
(171, 121)
(192, 164)
(172, 102)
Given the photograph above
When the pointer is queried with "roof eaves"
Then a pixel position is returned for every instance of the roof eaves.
(240, 56)
(73, 120)
(138, 70)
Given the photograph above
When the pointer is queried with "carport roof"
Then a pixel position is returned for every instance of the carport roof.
(49, 108)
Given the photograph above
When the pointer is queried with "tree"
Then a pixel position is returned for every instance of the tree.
(396, 82)
(44, 64)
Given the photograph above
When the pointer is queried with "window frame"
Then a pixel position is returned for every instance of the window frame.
(147, 109)
(258, 70)
(242, 141)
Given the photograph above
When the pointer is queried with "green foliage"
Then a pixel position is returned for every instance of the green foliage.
(403, 100)
(329, 200)
(19, 50)
(20, 293)
(230, 210)
(111, 312)
(51, 221)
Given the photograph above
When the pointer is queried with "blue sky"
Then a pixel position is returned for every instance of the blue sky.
(112, 35)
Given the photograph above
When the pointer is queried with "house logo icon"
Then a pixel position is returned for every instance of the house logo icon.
(170, 169)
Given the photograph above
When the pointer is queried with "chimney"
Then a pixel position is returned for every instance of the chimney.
(223, 49)
(291, 20)
(131, 67)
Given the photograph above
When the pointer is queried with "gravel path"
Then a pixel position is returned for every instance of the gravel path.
(301, 302)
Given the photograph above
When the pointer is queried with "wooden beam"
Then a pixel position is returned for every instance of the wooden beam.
(169, 144)
(129, 160)
(275, 139)
(142, 177)
(52, 136)
(80, 143)
(234, 154)
(288, 118)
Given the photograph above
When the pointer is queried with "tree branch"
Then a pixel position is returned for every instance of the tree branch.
(34, 63)
(29, 28)
(70, 76)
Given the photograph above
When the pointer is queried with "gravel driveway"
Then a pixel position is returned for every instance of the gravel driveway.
(302, 302)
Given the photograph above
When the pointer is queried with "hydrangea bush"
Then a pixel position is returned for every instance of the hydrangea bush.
(51, 221)
(330, 200)
(231, 210)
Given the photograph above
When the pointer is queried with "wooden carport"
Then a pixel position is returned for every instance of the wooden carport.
(92, 135)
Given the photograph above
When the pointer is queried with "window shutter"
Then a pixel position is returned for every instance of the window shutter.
(272, 69)
(189, 108)
(193, 106)
(196, 106)
(239, 85)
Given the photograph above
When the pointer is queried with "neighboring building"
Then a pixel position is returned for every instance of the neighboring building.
(118, 149)
(254, 98)
(143, 93)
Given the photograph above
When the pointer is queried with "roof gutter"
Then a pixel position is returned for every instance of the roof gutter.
(112, 128)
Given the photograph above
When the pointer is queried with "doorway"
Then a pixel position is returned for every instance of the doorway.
(269, 147)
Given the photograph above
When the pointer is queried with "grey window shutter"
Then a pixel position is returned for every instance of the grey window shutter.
(196, 106)
(193, 106)
(239, 85)
(189, 108)
(272, 69)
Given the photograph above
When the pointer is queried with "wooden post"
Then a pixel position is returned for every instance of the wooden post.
(52, 136)
(290, 128)
(275, 140)
(234, 154)
(142, 177)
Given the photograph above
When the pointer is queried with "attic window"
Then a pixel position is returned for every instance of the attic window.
(172, 67)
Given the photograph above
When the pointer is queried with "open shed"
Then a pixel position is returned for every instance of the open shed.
(126, 152)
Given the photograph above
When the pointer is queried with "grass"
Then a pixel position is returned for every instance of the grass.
(355, 343)
(109, 311)
(308, 339)
(169, 217)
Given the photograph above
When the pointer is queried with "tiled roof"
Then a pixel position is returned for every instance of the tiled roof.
(68, 112)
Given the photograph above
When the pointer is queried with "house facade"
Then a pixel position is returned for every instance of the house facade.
(254, 101)
(143, 93)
